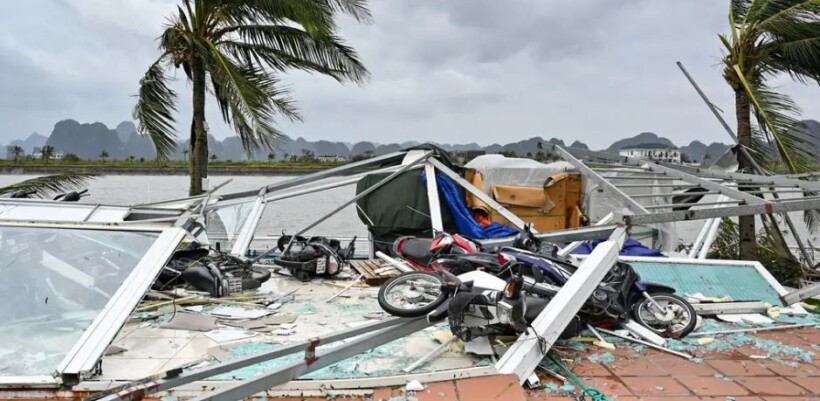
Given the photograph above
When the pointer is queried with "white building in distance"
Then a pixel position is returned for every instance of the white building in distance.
(653, 151)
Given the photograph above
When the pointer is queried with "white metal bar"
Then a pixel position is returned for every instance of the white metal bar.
(801, 294)
(565, 251)
(709, 239)
(320, 359)
(90, 347)
(720, 308)
(309, 190)
(394, 262)
(433, 199)
(608, 186)
(523, 357)
(245, 236)
(167, 380)
(364, 193)
(515, 220)
(754, 329)
(640, 331)
(571, 234)
(430, 355)
(698, 243)
(395, 156)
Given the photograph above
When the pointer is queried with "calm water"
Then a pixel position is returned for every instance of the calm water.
(289, 214)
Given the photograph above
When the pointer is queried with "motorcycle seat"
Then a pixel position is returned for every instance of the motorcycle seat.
(534, 308)
(417, 249)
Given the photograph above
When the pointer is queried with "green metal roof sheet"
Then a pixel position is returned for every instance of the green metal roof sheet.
(741, 282)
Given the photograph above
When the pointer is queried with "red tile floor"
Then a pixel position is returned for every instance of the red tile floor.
(652, 376)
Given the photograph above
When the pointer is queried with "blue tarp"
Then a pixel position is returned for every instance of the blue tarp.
(631, 248)
(466, 224)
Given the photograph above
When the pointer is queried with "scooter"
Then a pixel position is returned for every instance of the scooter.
(420, 252)
(476, 303)
(306, 258)
(621, 295)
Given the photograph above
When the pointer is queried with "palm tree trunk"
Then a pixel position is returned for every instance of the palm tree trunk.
(199, 142)
(746, 224)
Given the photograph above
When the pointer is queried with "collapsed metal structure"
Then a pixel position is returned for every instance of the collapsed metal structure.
(173, 221)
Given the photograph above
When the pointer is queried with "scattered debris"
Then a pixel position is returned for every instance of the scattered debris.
(605, 358)
(191, 322)
(414, 385)
(234, 312)
(228, 335)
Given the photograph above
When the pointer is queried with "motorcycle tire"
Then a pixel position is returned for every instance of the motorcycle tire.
(433, 280)
(260, 273)
(682, 303)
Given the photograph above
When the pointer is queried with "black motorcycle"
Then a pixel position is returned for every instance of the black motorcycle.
(212, 271)
(306, 258)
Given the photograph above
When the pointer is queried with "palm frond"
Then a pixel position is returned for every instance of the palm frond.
(767, 13)
(769, 109)
(249, 99)
(282, 47)
(50, 184)
(783, 129)
(156, 103)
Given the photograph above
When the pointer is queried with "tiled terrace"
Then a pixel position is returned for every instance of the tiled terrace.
(741, 374)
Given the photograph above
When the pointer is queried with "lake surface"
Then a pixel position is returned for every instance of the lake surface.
(289, 215)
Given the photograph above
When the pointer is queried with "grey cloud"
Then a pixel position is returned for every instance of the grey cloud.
(451, 71)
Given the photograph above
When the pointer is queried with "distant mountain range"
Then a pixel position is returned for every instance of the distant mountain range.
(88, 141)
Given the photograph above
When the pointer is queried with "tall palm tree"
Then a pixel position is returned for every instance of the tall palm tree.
(769, 38)
(47, 152)
(231, 49)
(16, 152)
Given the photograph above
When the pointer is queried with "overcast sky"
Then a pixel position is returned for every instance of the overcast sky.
(449, 71)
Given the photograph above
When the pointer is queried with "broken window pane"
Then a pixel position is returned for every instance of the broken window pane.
(53, 283)
(225, 223)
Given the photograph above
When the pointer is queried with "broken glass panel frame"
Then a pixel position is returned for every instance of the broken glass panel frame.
(67, 290)
(53, 283)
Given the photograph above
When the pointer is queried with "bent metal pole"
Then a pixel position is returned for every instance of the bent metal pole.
(364, 193)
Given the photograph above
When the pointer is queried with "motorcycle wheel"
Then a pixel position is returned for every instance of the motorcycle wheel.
(684, 317)
(412, 294)
(260, 273)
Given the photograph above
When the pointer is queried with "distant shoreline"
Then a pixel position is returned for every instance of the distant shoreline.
(160, 171)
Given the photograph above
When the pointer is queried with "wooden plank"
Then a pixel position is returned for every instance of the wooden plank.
(368, 269)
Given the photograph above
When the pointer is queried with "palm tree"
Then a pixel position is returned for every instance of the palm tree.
(104, 155)
(770, 38)
(231, 49)
(16, 152)
(271, 157)
(47, 152)
(214, 157)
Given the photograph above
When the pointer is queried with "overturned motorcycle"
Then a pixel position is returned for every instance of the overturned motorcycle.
(533, 278)
(212, 271)
(306, 258)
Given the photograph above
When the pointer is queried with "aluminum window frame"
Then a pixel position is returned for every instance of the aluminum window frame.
(87, 351)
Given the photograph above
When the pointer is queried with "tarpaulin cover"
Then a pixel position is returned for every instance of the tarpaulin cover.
(463, 219)
(631, 248)
(398, 208)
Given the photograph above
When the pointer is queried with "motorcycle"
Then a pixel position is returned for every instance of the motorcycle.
(420, 252)
(306, 258)
(213, 271)
(620, 296)
(475, 303)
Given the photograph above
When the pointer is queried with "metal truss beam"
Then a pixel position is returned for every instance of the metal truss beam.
(630, 203)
